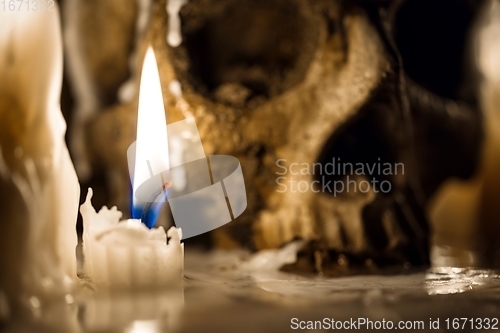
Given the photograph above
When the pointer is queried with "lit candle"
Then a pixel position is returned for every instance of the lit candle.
(127, 254)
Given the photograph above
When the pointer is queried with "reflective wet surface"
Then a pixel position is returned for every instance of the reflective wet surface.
(239, 292)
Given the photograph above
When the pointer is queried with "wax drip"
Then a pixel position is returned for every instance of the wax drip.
(174, 37)
(127, 90)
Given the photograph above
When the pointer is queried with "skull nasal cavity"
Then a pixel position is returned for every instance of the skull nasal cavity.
(240, 51)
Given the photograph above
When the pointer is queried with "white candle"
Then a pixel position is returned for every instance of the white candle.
(38, 184)
(127, 254)
(465, 211)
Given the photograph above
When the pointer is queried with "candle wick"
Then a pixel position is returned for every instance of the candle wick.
(149, 205)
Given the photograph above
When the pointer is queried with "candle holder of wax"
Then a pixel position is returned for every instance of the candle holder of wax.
(127, 254)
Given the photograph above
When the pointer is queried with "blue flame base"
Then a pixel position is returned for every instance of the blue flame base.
(148, 214)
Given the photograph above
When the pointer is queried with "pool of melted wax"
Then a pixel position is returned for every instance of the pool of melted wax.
(238, 292)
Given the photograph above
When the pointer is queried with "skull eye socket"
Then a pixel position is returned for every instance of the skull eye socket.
(243, 50)
(431, 36)
(372, 138)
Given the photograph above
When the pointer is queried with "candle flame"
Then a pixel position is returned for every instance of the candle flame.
(152, 155)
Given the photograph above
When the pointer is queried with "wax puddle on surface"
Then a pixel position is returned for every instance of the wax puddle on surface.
(454, 280)
(241, 271)
(241, 274)
(234, 289)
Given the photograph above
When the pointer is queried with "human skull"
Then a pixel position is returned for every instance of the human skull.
(289, 84)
